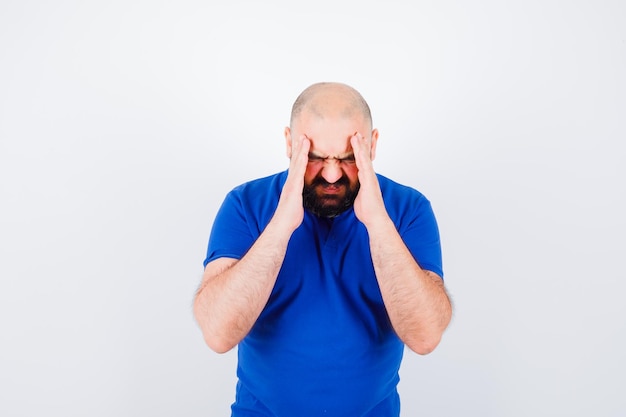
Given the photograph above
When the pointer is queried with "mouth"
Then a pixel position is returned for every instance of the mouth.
(329, 200)
(331, 189)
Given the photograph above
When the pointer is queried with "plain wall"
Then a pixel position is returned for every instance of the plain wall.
(124, 123)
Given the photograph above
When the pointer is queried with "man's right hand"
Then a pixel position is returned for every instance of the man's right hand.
(234, 292)
(290, 211)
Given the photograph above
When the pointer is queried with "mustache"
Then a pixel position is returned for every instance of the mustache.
(343, 180)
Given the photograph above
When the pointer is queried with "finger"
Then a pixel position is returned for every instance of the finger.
(367, 143)
(295, 145)
(357, 145)
(362, 151)
(303, 152)
(300, 156)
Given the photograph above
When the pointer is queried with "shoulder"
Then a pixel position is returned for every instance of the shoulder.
(415, 220)
(256, 200)
(397, 194)
(403, 203)
(258, 192)
(264, 185)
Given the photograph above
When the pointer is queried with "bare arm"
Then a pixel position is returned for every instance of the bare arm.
(234, 292)
(415, 299)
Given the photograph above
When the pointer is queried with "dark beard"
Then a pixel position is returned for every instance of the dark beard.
(329, 206)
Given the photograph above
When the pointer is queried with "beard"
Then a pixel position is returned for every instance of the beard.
(329, 205)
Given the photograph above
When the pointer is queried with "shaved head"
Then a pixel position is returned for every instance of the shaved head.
(331, 100)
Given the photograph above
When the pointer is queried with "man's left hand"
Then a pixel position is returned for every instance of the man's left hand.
(369, 206)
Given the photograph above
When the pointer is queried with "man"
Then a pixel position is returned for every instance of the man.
(322, 273)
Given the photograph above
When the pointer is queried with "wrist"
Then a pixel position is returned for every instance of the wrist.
(379, 224)
(281, 227)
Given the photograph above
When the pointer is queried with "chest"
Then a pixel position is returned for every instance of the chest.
(328, 264)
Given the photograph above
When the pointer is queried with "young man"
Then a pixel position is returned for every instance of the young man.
(322, 273)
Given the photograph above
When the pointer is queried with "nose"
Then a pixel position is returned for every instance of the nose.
(331, 171)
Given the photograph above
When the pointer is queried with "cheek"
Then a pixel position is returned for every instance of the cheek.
(352, 174)
(309, 175)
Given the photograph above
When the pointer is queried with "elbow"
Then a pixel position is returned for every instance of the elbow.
(216, 340)
(424, 347)
(213, 339)
(429, 338)
(217, 344)
(425, 340)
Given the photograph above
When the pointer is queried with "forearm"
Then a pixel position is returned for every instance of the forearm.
(416, 301)
(232, 295)
(228, 304)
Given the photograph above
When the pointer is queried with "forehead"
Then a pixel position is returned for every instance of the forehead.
(330, 136)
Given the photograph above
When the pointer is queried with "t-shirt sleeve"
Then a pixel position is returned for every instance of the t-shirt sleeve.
(231, 236)
(421, 235)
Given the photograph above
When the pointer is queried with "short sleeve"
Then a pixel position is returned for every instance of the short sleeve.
(421, 236)
(230, 235)
(415, 221)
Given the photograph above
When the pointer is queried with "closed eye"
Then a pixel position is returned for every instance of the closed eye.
(316, 158)
(346, 160)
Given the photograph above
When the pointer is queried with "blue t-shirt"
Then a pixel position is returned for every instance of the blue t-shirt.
(323, 345)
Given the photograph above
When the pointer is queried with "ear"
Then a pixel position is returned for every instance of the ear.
(288, 141)
(374, 142)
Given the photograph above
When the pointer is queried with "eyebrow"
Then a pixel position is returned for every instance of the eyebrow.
(347, 155)
(313, 154)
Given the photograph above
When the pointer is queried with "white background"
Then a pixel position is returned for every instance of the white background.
(124, 123)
